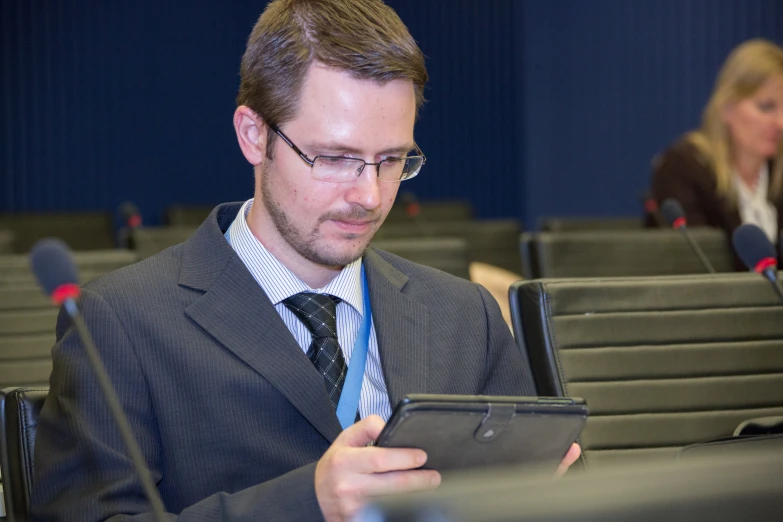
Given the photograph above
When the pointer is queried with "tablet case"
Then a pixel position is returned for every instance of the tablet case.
(480, 431)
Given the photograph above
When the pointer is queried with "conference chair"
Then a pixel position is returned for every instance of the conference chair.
(148, 241)
(187, 215)
(19, 412)
(444, 210)
(491, 241)
(6, 242)
(446, 254)
(588, 224)
(28, 319)
(26, 338)
(81, 230)
(663, 362)
(15, 268)
(621, 253)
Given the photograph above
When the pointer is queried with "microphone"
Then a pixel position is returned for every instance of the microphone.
(131, 220)
(130, 214)
(675, 216)
(413, 210)
(650, 206)
(757, 252)
(53, 266)
(411, 204)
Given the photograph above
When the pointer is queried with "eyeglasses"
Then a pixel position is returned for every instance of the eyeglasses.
(339, 169)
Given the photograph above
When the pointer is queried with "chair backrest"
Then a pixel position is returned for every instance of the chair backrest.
(527, 255)
(80, 230)
(28, 319)
(148, 241)
(491, 241)
(6, 242)
(585, 224)
(187, 215)
(455, 210)
(19, 412)
(663, 362)
(15, 268)
(621, 253)
(447, 254)
(27, 333)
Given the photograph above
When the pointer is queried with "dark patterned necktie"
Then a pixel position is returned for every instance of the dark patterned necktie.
(319, 313)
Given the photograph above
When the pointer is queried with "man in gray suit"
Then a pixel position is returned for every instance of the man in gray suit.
(232, 352)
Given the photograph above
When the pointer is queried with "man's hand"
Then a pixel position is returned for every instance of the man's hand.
(572, 456)
(350, 472)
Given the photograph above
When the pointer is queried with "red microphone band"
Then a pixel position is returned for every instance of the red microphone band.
(134, 221)
(679, 223)
(767, 262)
(651, 206)
(413, 209)
(64, 292)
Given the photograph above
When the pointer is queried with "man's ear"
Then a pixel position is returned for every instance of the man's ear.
(251, 134)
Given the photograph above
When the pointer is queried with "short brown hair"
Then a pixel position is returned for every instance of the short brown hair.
(365, 38)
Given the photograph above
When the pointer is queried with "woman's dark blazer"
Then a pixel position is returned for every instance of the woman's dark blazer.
(684, 174)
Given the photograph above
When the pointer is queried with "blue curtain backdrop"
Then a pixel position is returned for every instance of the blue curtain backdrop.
(537, 107)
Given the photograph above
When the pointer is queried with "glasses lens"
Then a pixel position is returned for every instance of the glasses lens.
(336, 169)
(399, 169)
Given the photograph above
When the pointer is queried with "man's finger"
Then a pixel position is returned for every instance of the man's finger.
(362, 432)
(383, 460)
(572, 456)
(400, 482)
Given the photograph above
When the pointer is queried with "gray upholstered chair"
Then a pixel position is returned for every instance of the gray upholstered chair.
(663, 362)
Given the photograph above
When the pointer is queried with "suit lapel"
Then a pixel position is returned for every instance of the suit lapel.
(401, 325)
(236, 312)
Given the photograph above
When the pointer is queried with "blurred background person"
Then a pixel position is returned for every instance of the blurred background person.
(730, 170)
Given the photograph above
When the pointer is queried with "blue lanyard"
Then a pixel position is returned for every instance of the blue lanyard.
(352, 387)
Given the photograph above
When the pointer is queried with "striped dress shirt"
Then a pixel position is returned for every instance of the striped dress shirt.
(279, 283)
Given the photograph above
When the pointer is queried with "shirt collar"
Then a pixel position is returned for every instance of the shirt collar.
(277, 281)
(762, 185)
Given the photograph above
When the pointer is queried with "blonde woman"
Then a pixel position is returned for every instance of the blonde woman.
(730, 170)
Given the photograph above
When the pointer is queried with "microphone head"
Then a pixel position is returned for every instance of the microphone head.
(130, 214)
(673, 212)
(753, 247)
(53, 267)
(411, 202)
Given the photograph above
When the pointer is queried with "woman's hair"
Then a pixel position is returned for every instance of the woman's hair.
(746, 69)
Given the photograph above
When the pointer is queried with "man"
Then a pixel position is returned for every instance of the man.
(231, 352)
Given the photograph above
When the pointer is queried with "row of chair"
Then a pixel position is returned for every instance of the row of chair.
(27, 318)
(663, 362)
(95, 230)
(449, 245)
(621, 253)
(535, 255)
(81, 230)
(540, 254)
(27, 321)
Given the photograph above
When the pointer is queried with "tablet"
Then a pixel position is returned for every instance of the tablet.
(463, 431)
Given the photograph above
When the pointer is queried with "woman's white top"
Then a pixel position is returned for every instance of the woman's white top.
(755, 208)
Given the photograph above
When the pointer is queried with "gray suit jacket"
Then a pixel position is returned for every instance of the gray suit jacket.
(228, 410)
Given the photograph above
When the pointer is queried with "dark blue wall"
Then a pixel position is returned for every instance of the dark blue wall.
(537, 107)
(609, 83)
